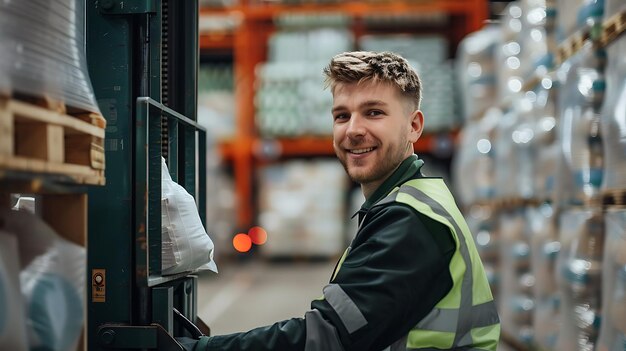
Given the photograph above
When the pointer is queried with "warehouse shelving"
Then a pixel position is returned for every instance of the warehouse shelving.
(247, 42)
(53, 155)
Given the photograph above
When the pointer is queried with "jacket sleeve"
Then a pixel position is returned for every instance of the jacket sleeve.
(396, 273)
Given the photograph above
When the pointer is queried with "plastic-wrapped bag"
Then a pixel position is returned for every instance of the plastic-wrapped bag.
(544, 249)
(546, 141)
(516, 283)
(614, 111)
(613, 328)
(185, 244)
(579, 275)
(52, 282)
(12, 324)
(581, 95)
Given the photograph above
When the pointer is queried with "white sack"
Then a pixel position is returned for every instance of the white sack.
(186, 246)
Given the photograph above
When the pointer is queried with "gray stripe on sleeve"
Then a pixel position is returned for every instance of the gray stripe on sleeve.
(346, 309)
(321, 335)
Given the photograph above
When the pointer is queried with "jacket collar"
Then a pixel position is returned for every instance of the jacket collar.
(408, 169)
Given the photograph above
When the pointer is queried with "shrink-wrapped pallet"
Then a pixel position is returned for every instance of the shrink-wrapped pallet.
(581, 95)
(301, 206)
(509, 76)
(42, 51)
(579, 276)
(52, 281)
(614, 111)
(476, 68)
(613, 328)
(474, 160)
(546, 140)
(544, 249)
(533, 37)
(516, 304)
(483, 223)
(567, 17)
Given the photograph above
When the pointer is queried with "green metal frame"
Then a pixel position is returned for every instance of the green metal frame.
(127, 65)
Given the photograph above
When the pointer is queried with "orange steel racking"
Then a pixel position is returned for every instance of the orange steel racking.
(248, 43)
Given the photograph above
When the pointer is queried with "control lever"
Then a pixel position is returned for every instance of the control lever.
(195, 332)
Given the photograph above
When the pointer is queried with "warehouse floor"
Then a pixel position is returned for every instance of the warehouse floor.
(257, 293)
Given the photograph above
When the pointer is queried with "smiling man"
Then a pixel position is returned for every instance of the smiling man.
(411, 278)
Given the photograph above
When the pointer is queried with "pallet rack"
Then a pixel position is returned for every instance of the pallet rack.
(247, 42)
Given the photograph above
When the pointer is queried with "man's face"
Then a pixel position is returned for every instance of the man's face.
(373, 130)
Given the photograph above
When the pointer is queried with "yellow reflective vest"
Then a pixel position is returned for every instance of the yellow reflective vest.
(466, 318)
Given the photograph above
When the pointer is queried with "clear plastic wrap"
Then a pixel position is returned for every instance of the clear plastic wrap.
(546, 139)
(52, 282)
(533, 37)
(473, 161)
(509, 75)
(613, 328)
(42, 51)
(544, 249)
(514, 176)
(580, 137)
(611, 7)
(483, 223)
(566, 18)
(516, 283)
(476, 68)
(579, 276)
(614, 116)
(524, 151)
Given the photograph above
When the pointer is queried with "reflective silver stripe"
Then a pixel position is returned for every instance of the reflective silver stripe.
(387, 199)
(485, 314)
(346, 309)
(320, 334)
(445, 319)
(464, 320)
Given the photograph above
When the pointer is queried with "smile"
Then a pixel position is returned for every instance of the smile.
(361, 151)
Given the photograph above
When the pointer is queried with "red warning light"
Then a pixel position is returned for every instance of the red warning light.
(258, 235)
(242, 242)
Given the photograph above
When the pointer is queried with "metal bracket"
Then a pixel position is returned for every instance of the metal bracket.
(126, 7)
(115, 336)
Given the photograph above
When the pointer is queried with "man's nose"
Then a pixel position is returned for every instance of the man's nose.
(356, 127)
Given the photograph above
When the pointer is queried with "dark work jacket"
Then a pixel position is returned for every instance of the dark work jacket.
(394, 272)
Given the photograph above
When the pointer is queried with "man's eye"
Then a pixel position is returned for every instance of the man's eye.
(341, 116)
(374, 112)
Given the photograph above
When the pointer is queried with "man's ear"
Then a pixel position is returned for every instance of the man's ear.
(417, 125)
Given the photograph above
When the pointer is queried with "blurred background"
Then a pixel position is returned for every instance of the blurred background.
(525, 120)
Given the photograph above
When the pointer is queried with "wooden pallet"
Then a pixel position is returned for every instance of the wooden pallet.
(612, 28)
(614, 197)
(40, 137)
(570, 46)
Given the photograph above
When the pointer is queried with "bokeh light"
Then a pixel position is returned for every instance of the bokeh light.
(242, 242)
(258, 235)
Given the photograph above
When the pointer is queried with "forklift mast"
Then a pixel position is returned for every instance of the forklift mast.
(143, 60)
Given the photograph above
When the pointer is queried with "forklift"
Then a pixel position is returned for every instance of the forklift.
(142, 58)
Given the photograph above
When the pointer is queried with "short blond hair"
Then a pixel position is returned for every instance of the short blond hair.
(368, 66)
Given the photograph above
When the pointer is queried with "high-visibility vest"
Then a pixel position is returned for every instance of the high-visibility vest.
(466, 318)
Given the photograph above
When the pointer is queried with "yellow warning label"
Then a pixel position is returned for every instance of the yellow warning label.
(98, 285)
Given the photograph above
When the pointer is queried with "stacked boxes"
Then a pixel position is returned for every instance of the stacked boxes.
(428, 56)
(301, 208)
